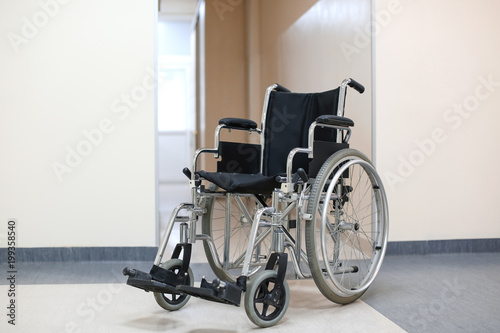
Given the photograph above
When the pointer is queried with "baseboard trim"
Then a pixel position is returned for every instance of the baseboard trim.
(444, 246)
(145, 253)
(64, 254)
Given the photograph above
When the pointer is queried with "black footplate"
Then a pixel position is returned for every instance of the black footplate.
(150, 281)
(160, 280)
(217, 291)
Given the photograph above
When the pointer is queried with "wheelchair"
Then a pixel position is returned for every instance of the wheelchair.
(300, 196)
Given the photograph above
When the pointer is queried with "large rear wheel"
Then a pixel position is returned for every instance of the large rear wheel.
(347, 237)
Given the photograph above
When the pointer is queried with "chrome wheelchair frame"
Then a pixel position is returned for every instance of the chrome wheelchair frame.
(345, 233)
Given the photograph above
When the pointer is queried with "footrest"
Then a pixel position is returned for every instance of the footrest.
(144, 281)
(217, 291)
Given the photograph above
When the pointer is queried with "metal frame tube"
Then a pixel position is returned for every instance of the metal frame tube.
(183, 233)
(343, 90)
(258, 240)
(212, 247)
(278, 240)
(295, 262)
(253, 236)
(298, 234)
(263, 122)
(242, 207)
(195, 158)
(227, 231)
(220, 127)
(168, 230)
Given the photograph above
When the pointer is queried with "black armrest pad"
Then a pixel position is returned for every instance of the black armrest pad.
(335, 121)
(238, 123)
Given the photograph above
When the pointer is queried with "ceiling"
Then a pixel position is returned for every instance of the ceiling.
(178, 7)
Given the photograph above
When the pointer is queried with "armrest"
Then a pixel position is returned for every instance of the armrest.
(238, 123)
(229, 123)
(195, 159)
(234, 123)
(335, 121)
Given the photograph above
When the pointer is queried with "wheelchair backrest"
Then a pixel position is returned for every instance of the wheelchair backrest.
(285, 126)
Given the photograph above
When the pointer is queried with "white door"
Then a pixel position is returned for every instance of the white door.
(175, 115)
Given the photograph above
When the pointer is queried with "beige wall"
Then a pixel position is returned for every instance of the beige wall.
(226, 77)
(225, 59)
(436, 93)
(438, 110)
(304, 54)
(77, 129)
(252, 44)
(437, 80)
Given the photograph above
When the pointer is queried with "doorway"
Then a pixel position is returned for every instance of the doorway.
(176, 119)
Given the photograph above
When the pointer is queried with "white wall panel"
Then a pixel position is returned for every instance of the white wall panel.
(437, 107)
(77, 128)
(320, 49)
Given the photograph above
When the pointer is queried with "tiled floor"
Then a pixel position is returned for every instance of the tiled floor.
(436, 293)
(418, 293)
(119, 308)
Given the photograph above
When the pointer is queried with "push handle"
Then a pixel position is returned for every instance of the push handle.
(303, 175)
(280, 88)
(187, 173)
(356, 86)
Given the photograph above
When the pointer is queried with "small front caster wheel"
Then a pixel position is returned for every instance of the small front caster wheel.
(265, 303)
(172, 301)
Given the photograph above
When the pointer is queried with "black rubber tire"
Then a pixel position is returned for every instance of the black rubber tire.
(176, 301)
(312, 230)
(257, 290)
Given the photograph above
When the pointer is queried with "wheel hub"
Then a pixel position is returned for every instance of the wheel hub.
(273, 297)
(356, 226)
(244, 220)
(343, 225)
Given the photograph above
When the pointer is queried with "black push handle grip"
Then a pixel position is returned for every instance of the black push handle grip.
(187, 173)
(356, 86)
(280, 88)
(303, 175)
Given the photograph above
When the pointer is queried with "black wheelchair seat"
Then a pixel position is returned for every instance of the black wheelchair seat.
(241, 182)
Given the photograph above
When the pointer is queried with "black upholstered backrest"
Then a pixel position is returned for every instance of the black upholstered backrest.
(286, 126)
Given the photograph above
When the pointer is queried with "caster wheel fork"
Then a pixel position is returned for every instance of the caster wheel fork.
(268, 294)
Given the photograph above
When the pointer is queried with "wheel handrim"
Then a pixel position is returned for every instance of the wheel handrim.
(353, 263)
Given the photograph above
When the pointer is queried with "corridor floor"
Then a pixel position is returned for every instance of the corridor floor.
(431, 293)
